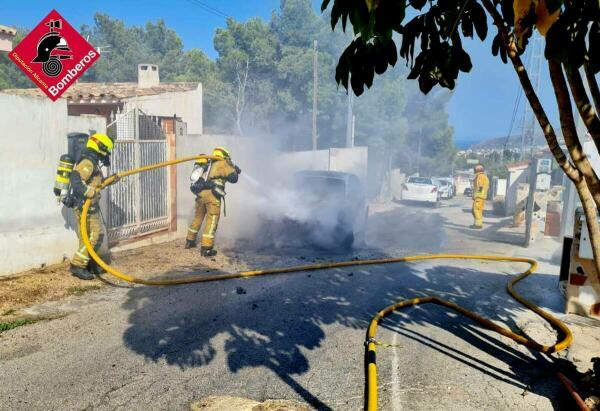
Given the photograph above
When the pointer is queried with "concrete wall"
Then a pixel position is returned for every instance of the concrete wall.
(350, 160)
(397, 178)
(86, 123)
(500, 189)
(306, 160)
(185, 104)
(515, 178)
(34, 229)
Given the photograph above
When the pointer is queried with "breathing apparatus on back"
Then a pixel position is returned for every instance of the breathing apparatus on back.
(98, 146)
(200, 178)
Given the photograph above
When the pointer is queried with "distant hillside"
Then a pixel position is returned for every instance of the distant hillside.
(498, 143)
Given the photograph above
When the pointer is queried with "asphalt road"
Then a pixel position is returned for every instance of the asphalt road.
(294, 337)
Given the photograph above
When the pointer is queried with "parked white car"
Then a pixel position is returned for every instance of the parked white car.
(445, 187)
(422, 189)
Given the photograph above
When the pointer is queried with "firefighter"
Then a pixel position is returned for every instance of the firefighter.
(86, 179)
(208, 184)
(480, 189)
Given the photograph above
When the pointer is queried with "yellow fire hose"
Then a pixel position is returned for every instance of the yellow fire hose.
(371, 343)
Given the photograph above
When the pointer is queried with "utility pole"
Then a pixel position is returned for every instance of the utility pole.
(314, 110)
(349, 121)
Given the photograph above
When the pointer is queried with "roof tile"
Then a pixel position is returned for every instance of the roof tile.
(80, 91)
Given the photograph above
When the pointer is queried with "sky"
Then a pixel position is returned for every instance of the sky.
(481, 107)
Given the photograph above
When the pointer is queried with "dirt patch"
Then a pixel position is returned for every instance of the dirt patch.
(220, 403)
(55, 282)
(164, 260)
(36, 286)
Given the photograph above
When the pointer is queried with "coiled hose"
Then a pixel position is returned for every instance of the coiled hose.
(370, 353)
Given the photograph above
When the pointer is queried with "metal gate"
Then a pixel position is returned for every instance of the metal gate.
(140, 204)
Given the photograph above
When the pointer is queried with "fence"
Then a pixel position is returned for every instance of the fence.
(140, 204)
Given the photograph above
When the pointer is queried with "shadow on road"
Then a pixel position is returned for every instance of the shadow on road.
(271, 321)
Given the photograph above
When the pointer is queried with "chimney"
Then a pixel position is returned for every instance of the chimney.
(148, 75)
(6, 38)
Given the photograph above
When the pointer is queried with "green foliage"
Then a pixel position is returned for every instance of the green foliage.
(14, 324)
(278, 93)
(10, 75)
(431, 41)
(575, 36)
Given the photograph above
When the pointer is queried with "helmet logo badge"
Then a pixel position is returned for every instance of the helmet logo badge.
(54, 55)
(51, 49)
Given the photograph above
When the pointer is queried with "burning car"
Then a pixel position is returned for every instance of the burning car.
(329, 211)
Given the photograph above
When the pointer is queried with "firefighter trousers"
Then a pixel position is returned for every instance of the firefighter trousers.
(478, 205)
(207, 210)
(81, 258)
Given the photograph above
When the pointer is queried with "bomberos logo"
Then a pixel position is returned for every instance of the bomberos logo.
(54, 55)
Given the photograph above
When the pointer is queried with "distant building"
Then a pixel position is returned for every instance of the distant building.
(7, 35)
(183, 99)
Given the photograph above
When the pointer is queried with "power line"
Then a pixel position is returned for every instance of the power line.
(514, 115)
(209, 8)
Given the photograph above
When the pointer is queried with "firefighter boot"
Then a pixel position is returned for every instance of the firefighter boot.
(81, 273)
(94, 268)
(208, 252)
(190, 244)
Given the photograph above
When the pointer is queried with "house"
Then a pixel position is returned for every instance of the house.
(181, 99)
(6, 38)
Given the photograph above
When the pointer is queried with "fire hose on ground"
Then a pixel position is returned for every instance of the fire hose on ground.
(370, 353)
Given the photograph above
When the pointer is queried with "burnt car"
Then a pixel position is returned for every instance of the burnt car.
(329, 211)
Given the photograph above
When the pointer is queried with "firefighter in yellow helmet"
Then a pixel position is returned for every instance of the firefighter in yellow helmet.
(481, 185)
(85, 183)
(208, 184)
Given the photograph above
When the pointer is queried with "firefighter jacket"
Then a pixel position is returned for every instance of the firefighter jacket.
(481, 185)
(86, 179)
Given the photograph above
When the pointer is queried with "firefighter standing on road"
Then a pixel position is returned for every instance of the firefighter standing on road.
(208, 184)
(480, 190)
(86, 179)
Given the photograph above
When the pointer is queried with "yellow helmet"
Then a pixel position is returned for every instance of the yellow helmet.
(101, 144)
(222, 153)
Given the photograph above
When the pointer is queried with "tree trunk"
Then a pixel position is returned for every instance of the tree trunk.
(573, 172)
(584, 106)
(588, 189)
(569, 130)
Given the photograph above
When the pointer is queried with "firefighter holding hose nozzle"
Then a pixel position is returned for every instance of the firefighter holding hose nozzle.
(480, 190)
(208, 184)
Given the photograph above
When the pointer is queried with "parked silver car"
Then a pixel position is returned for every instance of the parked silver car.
(445, 187)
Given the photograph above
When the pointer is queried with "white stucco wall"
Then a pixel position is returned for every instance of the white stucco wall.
(350, 160)
(34, 229)
(185, 104)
